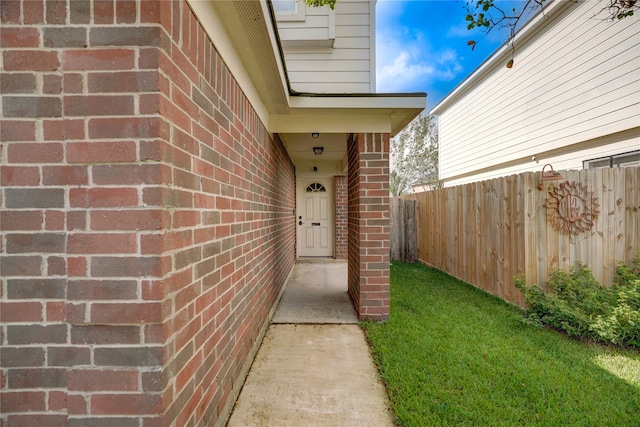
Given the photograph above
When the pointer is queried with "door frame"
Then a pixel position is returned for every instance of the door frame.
(301, 184)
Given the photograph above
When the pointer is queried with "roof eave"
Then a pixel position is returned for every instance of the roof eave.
(386, 113)
(255, 58)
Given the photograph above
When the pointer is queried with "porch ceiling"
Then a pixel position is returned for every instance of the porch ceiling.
(332, 161)
(300, 146)
(334, 118)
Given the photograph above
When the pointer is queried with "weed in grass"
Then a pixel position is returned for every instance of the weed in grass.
(452, 354)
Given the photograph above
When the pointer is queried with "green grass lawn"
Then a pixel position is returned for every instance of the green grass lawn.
(451, 354)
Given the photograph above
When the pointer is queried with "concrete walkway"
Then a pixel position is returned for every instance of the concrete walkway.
(313, 367)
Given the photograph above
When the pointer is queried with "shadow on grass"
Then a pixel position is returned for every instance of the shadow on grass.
(452, 354)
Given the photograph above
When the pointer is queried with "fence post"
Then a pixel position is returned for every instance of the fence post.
(404, 230)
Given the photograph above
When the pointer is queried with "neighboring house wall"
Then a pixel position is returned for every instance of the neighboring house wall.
(147, 218)
(330, 51)
(573, 94)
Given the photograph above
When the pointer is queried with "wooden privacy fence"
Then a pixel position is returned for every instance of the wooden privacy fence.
(404, 230)
(488, 232)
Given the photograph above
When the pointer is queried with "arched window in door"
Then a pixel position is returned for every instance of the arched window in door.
(315, 187)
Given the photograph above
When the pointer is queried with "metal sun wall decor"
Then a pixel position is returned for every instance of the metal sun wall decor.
(571, 208)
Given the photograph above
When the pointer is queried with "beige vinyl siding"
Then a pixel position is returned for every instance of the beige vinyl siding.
(571, 160)
(330, 77)
(314, 27)
(575, 82)
(345, 31)
(344, 66)
(310, 66)
(326, 55)
(344, 18)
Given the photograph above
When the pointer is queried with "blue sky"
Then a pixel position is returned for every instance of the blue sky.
(421, 46)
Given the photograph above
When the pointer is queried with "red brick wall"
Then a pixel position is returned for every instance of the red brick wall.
(147, 217)
(368, 202)
(342, 220)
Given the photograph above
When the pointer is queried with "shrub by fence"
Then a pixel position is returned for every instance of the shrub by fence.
(488, 232)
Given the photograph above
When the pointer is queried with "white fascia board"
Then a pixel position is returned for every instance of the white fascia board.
(274, 42)
(350, 113)
(376, 102)
(536, 24)
(345, 121)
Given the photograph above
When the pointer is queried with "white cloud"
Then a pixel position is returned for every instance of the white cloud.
(388, 10)
(403, 70)
(407, 62)
(449, 65)
(459, 31)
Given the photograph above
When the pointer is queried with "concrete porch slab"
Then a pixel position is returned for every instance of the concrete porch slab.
(316, 293)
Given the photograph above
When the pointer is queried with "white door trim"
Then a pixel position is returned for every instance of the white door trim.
(316, 235)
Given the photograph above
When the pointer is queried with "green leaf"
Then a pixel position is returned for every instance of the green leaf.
(319, 3)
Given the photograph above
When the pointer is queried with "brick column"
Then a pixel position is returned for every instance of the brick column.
(368, 213)
(342, 220)
(81, 305)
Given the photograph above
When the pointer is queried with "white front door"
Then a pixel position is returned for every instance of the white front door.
(315, 217)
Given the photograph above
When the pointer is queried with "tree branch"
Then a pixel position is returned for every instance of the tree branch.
(486, 15)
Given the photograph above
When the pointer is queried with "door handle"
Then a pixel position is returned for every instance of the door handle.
(300, 223)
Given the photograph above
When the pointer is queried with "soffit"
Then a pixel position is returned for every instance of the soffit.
(245, 34)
